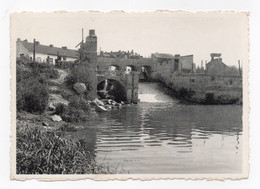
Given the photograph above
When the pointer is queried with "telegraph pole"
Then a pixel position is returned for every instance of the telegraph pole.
(33, 50)
(239, 69)
(82, 35)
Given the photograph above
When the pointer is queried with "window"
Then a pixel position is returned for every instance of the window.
(192, 80)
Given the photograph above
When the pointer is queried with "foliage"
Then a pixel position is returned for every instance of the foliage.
(32, 96)
(31, 89)
(43, 69)
(185, 93)
(70, 81)
(46, 152)
(78, 110)
(210, 98)
(82, 73)
(233, 71)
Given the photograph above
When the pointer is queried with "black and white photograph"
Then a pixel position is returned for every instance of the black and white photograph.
(117, 95)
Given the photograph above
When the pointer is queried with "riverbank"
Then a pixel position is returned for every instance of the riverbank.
(43, 148)
(48, 107)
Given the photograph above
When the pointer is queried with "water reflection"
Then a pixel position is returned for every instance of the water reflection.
(168, 138)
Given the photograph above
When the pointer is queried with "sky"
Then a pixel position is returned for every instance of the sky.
(165, 32)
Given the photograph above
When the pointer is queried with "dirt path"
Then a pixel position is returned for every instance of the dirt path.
(62, 75)
(54, 88)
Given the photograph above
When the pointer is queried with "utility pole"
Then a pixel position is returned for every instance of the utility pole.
(239, 69)
(206, 67)
(82, 35)
(181, 68)
(33, 50)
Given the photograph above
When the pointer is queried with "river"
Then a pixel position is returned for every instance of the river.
(161, 135)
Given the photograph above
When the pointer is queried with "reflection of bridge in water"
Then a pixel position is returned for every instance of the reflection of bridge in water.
(124, 74)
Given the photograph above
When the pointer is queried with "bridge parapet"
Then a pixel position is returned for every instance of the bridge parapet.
(103, 63)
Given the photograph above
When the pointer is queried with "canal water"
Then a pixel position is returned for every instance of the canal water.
(161, 135)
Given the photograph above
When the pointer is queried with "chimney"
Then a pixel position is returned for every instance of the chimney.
(37, 43)
(25, 40)
(51, 45)
(91, 32)
(64, 47)
(18, 39)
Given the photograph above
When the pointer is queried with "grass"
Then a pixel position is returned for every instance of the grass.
(31, 84)
(47, 152)
(78, 110)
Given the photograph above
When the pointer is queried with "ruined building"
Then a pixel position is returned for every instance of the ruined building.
(215, 66)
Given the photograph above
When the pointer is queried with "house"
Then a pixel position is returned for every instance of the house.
(215, 66)
(44, 53)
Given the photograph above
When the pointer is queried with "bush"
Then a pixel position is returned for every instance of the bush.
(32, 96)
(83, 74)
(70, 81)
(46, 152)
(185, 93)
(78, 110)
(31, 90)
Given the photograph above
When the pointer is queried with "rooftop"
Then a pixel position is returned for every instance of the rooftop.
(163, 55)
(50, 50)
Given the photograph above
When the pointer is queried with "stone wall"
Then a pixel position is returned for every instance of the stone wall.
(223, 88)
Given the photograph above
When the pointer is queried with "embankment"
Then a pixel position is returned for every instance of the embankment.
(204, 89)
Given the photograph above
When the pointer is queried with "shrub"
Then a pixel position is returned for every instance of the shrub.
(185, 93)
(61, 109)
(32, 97)
(83, 74)
(210, 98)
(32, 93)
(46, 152)
(70, 81)
(43, 69)
(78, 110)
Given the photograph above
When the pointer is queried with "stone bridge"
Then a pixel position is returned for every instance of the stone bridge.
(119, 75)
(125, 73)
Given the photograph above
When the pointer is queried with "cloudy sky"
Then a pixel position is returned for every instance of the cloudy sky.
(175, 33)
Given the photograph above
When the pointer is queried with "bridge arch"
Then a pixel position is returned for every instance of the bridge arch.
(111, 88)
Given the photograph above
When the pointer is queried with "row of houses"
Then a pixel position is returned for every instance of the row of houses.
(166, 63)
(44, 53)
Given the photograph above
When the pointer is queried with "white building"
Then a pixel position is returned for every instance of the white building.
(44, 53)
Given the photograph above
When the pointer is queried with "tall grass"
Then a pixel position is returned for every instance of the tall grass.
(78, 110)
(31, 84)
(46, 152)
